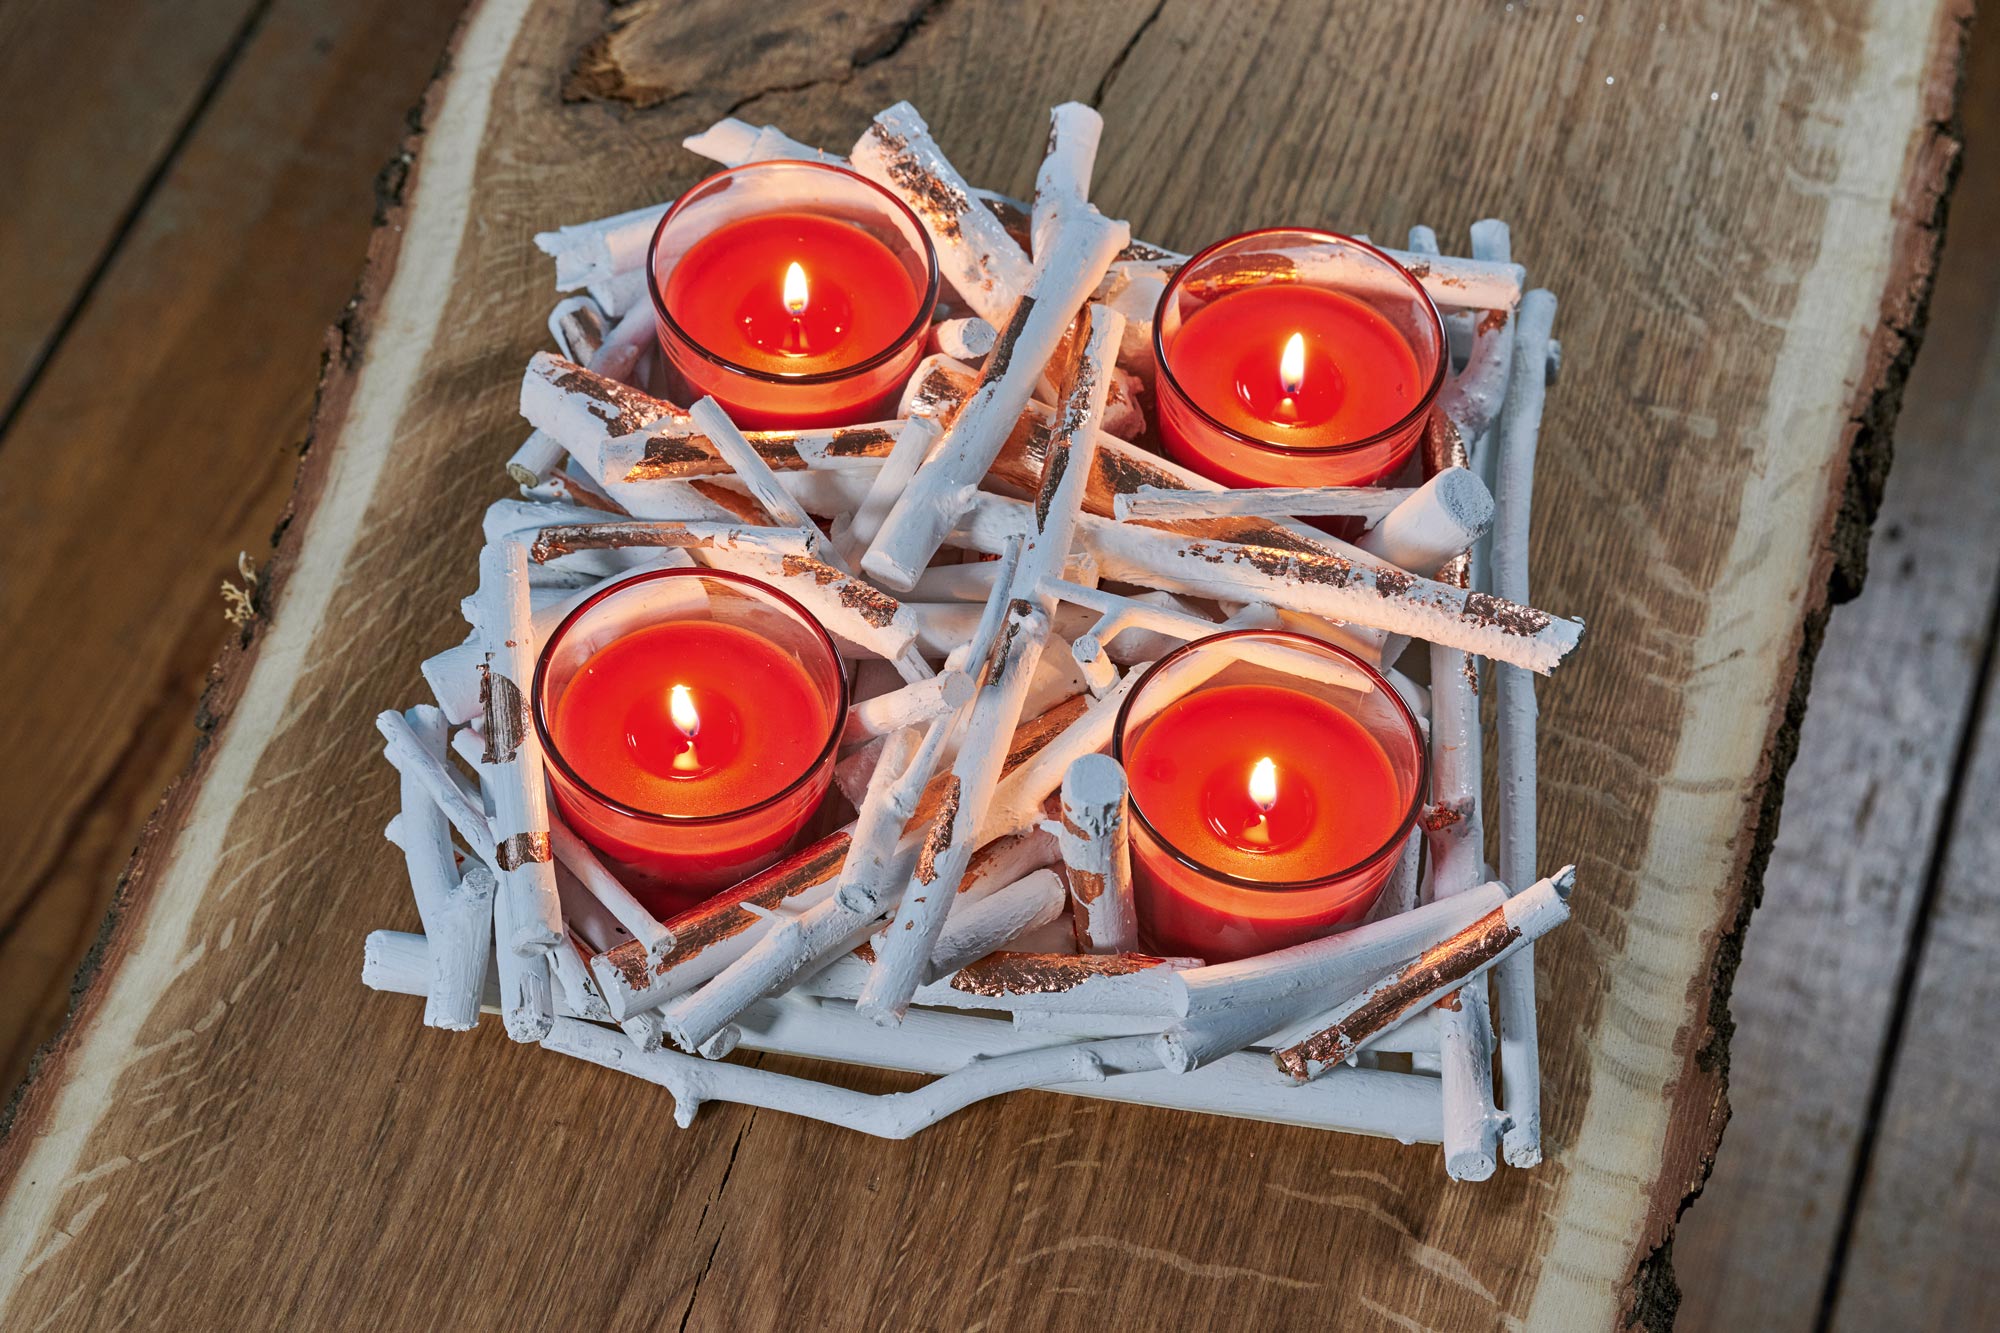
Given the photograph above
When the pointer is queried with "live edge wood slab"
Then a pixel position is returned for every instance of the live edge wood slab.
(1740, 209)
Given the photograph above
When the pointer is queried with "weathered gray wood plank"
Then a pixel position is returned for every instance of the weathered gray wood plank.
(1891, 699)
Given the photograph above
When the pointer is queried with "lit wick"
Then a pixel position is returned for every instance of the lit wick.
(795, 289)
(1292, 374)
(1264, 794)
(680, 707)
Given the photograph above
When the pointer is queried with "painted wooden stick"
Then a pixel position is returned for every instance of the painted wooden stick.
(1233, 1005)
(1439, 970)
(457, 911)
(1368, 503)
(513, 761)
(576, 856)
(1335, 587)
(965, 339)
(1359, 1101)
(1520, 424)
(526, 1003)
(942, 488)
(914, 443)
(412, 759)
(891, 1115)
(913, 705)
(1440, 520)
(1062, 185)
(980, 260)
(977, 768)
(719, 930)
(1455, 824)
(1097, 855)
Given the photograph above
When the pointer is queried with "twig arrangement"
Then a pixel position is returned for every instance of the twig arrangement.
(975, 919)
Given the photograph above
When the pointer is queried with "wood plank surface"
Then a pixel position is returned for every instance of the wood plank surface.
(1892, 696)
(232, 1132)
(93, 102)
(160, 441)
(1922, 1254)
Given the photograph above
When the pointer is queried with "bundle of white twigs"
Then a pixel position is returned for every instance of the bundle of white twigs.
(998, 564)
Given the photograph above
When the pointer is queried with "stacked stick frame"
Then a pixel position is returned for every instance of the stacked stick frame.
(998, 564)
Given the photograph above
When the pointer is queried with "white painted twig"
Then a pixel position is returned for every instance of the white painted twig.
(1062, 185)
(799, 944)
(735, 143)
(1520, 424)
(1360, 1101)
(457, 911)
(943, 487)
(975, 253)
(1369, 503)
(412, 759)
(1335, 587)
(913, 705)
(570, 974)
(513, 761)
(891, 1115)
(719, 930)
(1455, 823)
(965, 339)
(913, 444)
(576, 856)
(1440, 520)
(526, 1004)
(708, 416)
(976, 771)
(1097, 855)
(1233, 1005)
(1508, 929)
(852, 609)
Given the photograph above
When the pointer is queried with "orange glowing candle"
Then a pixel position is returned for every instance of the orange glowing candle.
(690, 736)
(1317, 368)
(1270, 808)
(807, 304)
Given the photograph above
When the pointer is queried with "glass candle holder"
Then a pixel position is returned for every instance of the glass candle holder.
(796, 293)
(1295, 358)
(1273, 780)
(690, 718)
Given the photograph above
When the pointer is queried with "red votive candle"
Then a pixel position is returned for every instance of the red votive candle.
(690, 718)
(1295, 358)
(796, 293)
(1273, 779)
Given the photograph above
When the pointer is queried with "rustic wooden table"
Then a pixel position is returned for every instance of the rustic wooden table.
(1739, 212)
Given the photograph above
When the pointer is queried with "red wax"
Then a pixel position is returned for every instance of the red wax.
(1337, 802)
(758, 724)
(853, 299)
(1360, 377)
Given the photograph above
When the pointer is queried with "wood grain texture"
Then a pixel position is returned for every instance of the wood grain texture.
(161, 440)
(1892, 698)
(1739, 275)
(1922, 1255)
(92, 103)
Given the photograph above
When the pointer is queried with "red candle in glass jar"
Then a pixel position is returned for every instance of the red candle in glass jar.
(1295, 358)
(795, 293)
(1271, 804)
(690, 717)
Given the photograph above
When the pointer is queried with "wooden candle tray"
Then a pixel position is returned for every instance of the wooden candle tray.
(1014, 493)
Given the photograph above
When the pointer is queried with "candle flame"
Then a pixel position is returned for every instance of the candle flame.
(1292, 364)
(795, 289)
(1264, 784)
(680, 707)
